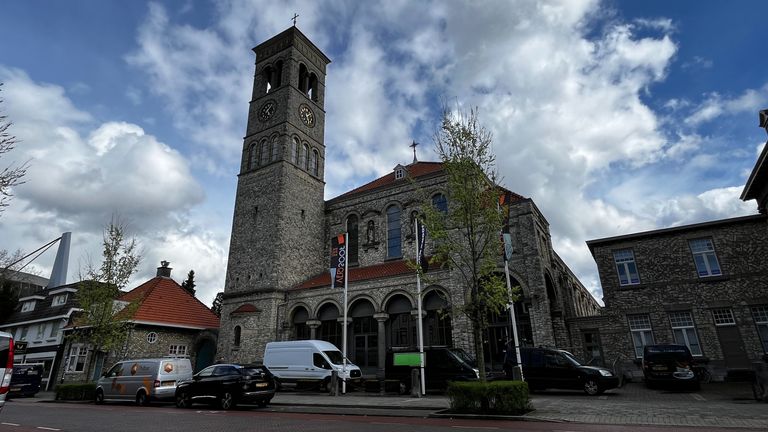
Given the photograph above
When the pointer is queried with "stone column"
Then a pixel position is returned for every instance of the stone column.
(381, 318)
(313, 325)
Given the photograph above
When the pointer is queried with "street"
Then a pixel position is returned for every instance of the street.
(24, 415)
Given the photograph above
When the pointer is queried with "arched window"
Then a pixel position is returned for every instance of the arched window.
(253, 157)
(267, 76)
(312, 87)
(295, 152)
(305, 157)
(303, 79)
(236, 341)
(394, 241)
(300, 327)
(353, 238)
(273, 76)
(264, 152)
(275, 149)
(278, 75)
(314, 164)
(440, 203)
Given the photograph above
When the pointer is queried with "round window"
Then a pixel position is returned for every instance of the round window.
(151, 337)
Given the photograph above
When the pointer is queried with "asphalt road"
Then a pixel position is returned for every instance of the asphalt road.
(29, 415)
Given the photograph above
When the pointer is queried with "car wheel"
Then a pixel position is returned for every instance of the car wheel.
(591, 388)
(227, 401)
(99, 397)
(142, 399)
(182, 400)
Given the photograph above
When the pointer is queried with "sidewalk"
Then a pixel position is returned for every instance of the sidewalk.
(716, 405)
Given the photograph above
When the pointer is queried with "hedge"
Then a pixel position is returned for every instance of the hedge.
(491, 397)
(77, 391)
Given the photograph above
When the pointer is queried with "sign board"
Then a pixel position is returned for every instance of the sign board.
(407, 359)
(20, 347)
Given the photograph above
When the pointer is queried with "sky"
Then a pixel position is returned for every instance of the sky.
(614, 116)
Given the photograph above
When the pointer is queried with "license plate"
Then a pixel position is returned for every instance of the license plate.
(262, 384)
(15, 388)
(167, 383)
(659, 368)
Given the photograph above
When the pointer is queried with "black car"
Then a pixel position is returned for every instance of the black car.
(545, 368)
(442, 364)
(227, 385)
(26, 379)
(669, 364)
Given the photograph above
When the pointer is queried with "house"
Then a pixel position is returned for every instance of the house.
(167, 321)
(278, 286)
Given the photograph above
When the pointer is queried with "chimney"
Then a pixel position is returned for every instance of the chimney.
(59, 272)
(164, 270)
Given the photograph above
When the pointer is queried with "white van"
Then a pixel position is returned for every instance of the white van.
(308, 360)
(143, 380)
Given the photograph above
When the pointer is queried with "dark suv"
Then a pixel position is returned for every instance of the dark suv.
(26, 379)
(226, 385)
(670, 364)
(553, 368)
(442, 364)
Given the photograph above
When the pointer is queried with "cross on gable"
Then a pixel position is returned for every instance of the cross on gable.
(295, 15)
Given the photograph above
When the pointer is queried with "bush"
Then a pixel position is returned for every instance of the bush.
(494, 397)
(77, 391)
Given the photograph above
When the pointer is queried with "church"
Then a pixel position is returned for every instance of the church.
(278, 285)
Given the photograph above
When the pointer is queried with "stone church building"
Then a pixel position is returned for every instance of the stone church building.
(278, 283)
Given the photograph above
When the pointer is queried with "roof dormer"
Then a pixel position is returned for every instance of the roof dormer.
(400, 172)
(28, 303)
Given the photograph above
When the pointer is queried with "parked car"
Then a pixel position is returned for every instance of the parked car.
(227, 385)
(308, 360)
(545, 368)
(6, 365)
(669, 364)
(143, 380)
(26, 379)
(442, 364)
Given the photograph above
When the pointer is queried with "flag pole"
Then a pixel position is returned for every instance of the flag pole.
(344, 328)
(418, 301)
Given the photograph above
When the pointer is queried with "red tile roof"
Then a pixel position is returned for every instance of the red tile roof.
(163, 301)
(415, 170)
(356, 274)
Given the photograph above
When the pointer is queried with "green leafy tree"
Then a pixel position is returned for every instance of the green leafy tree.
(9, 292)
(216, 306)
(466, 236)
(11, 175)
(189, 284)
(104, 322)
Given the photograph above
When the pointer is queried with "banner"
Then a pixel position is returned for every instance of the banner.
(338, 260)
(421, 247)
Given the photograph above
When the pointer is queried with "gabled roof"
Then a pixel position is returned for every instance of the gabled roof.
(164, 302)
(415, 170)
(357, 274)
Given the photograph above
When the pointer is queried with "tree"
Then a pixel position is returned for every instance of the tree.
(216, 306)
(466, 236)
(189, 284)
(9, 294)
(11, 175)
(104, 321)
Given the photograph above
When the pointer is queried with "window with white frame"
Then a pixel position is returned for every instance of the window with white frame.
(626, 267)
(28, 306)
(684, 331)
(760, 314)
(40, 332)
(55, 327)
(59, 300)
(177, 350)
(641, 332)
(723, 317)
(399, 173)
(76, 361)
(704, 256)
(151, 337)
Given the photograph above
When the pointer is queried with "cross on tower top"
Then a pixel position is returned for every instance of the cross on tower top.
(295, 15)
(413, 145)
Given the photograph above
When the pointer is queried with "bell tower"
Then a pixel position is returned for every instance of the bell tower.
(278, 224)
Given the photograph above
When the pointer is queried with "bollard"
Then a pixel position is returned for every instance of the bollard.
(416, 383)
(517, 373)
(334, 384)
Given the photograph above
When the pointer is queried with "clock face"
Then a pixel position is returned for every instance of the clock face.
(267, 110)
(306, 115)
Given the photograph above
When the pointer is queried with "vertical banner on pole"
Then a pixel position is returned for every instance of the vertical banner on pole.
(338, 260)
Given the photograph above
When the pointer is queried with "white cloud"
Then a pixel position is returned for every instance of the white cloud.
(715, 105)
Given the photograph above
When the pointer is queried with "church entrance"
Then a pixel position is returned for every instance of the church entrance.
(364, 350)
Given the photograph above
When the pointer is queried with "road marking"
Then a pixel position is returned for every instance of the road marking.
(10, 424)
(47, 428)
(387, 423)
(603, 397)
(474, 427)
(698, 397)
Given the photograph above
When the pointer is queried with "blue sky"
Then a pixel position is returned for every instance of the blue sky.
(614, 116)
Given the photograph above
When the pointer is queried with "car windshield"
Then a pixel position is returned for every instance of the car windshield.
(667, 354)
(571, 358)
(335, 357)
(463, 356)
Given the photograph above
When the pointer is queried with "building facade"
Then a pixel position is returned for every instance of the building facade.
(278, 286)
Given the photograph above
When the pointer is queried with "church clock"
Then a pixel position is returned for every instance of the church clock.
(306, 115)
